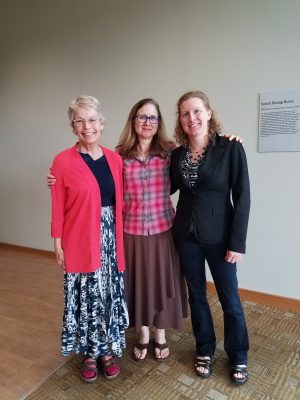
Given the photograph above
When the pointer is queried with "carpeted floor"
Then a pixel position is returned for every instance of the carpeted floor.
(274, 365)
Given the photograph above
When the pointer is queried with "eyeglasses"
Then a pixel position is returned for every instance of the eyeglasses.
(80, 122)
(144, 118)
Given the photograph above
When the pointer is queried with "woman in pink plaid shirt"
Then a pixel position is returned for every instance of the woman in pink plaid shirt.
(155, 288)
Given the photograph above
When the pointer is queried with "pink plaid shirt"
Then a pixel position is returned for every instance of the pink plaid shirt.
(148, 209)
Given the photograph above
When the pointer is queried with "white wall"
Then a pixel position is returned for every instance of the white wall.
(121, 51)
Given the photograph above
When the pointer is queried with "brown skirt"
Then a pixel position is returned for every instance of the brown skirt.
(154, 285)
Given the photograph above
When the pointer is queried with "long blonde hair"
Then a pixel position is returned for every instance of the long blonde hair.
(160, 145)
(214, 125)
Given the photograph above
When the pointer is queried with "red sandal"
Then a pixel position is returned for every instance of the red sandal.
(110, 367)
(89, 370)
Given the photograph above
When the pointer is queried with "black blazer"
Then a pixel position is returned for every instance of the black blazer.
(219, 204)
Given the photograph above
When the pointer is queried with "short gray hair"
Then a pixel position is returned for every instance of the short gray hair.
(85, 101)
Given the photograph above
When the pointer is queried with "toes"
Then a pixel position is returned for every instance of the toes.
(165, 353)
(140, 354)
(202, 370)
(161, 351)
(239, 376)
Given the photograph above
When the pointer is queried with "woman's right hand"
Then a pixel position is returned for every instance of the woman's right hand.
(50, 180)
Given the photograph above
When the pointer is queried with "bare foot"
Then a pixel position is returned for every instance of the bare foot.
(160, 338)
(240, 375)
(144, 337)
(201, 370)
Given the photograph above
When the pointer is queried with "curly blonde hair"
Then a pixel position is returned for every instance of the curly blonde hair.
(128, 141)
(214, 127)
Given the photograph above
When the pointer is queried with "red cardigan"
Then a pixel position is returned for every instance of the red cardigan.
(76, 210)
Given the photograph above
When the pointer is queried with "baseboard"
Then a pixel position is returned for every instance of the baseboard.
(245, 294)
(30, 250)
(286, 303)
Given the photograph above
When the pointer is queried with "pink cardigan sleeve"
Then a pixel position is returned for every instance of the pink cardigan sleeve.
(58, 195)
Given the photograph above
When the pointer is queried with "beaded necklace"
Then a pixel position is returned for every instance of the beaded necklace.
(190, 166)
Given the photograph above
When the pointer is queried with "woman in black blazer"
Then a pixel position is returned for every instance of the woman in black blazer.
(211, 225)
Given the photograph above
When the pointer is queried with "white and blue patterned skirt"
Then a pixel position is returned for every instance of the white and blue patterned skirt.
(95, 311)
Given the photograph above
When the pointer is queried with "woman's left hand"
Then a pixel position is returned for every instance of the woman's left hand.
(233, 257)
(60, 258)
(233, 137)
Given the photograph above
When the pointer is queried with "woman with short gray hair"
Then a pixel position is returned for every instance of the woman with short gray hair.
(87, 228)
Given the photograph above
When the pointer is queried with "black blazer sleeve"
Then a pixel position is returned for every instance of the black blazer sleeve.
(240, 194)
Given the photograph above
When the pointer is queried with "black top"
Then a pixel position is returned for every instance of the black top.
(102, 173)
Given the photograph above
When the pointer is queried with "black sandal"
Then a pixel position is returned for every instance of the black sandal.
(236, 369)
(204, 364)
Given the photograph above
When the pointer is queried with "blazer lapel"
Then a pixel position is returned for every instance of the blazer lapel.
(213, 155)
(178, 162)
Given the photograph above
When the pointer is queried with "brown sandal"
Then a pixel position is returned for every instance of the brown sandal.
(160, 347)
(140, 347)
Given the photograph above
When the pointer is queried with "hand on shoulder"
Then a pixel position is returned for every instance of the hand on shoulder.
(233, 137)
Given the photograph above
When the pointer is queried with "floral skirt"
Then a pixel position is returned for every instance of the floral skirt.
(95, 311)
